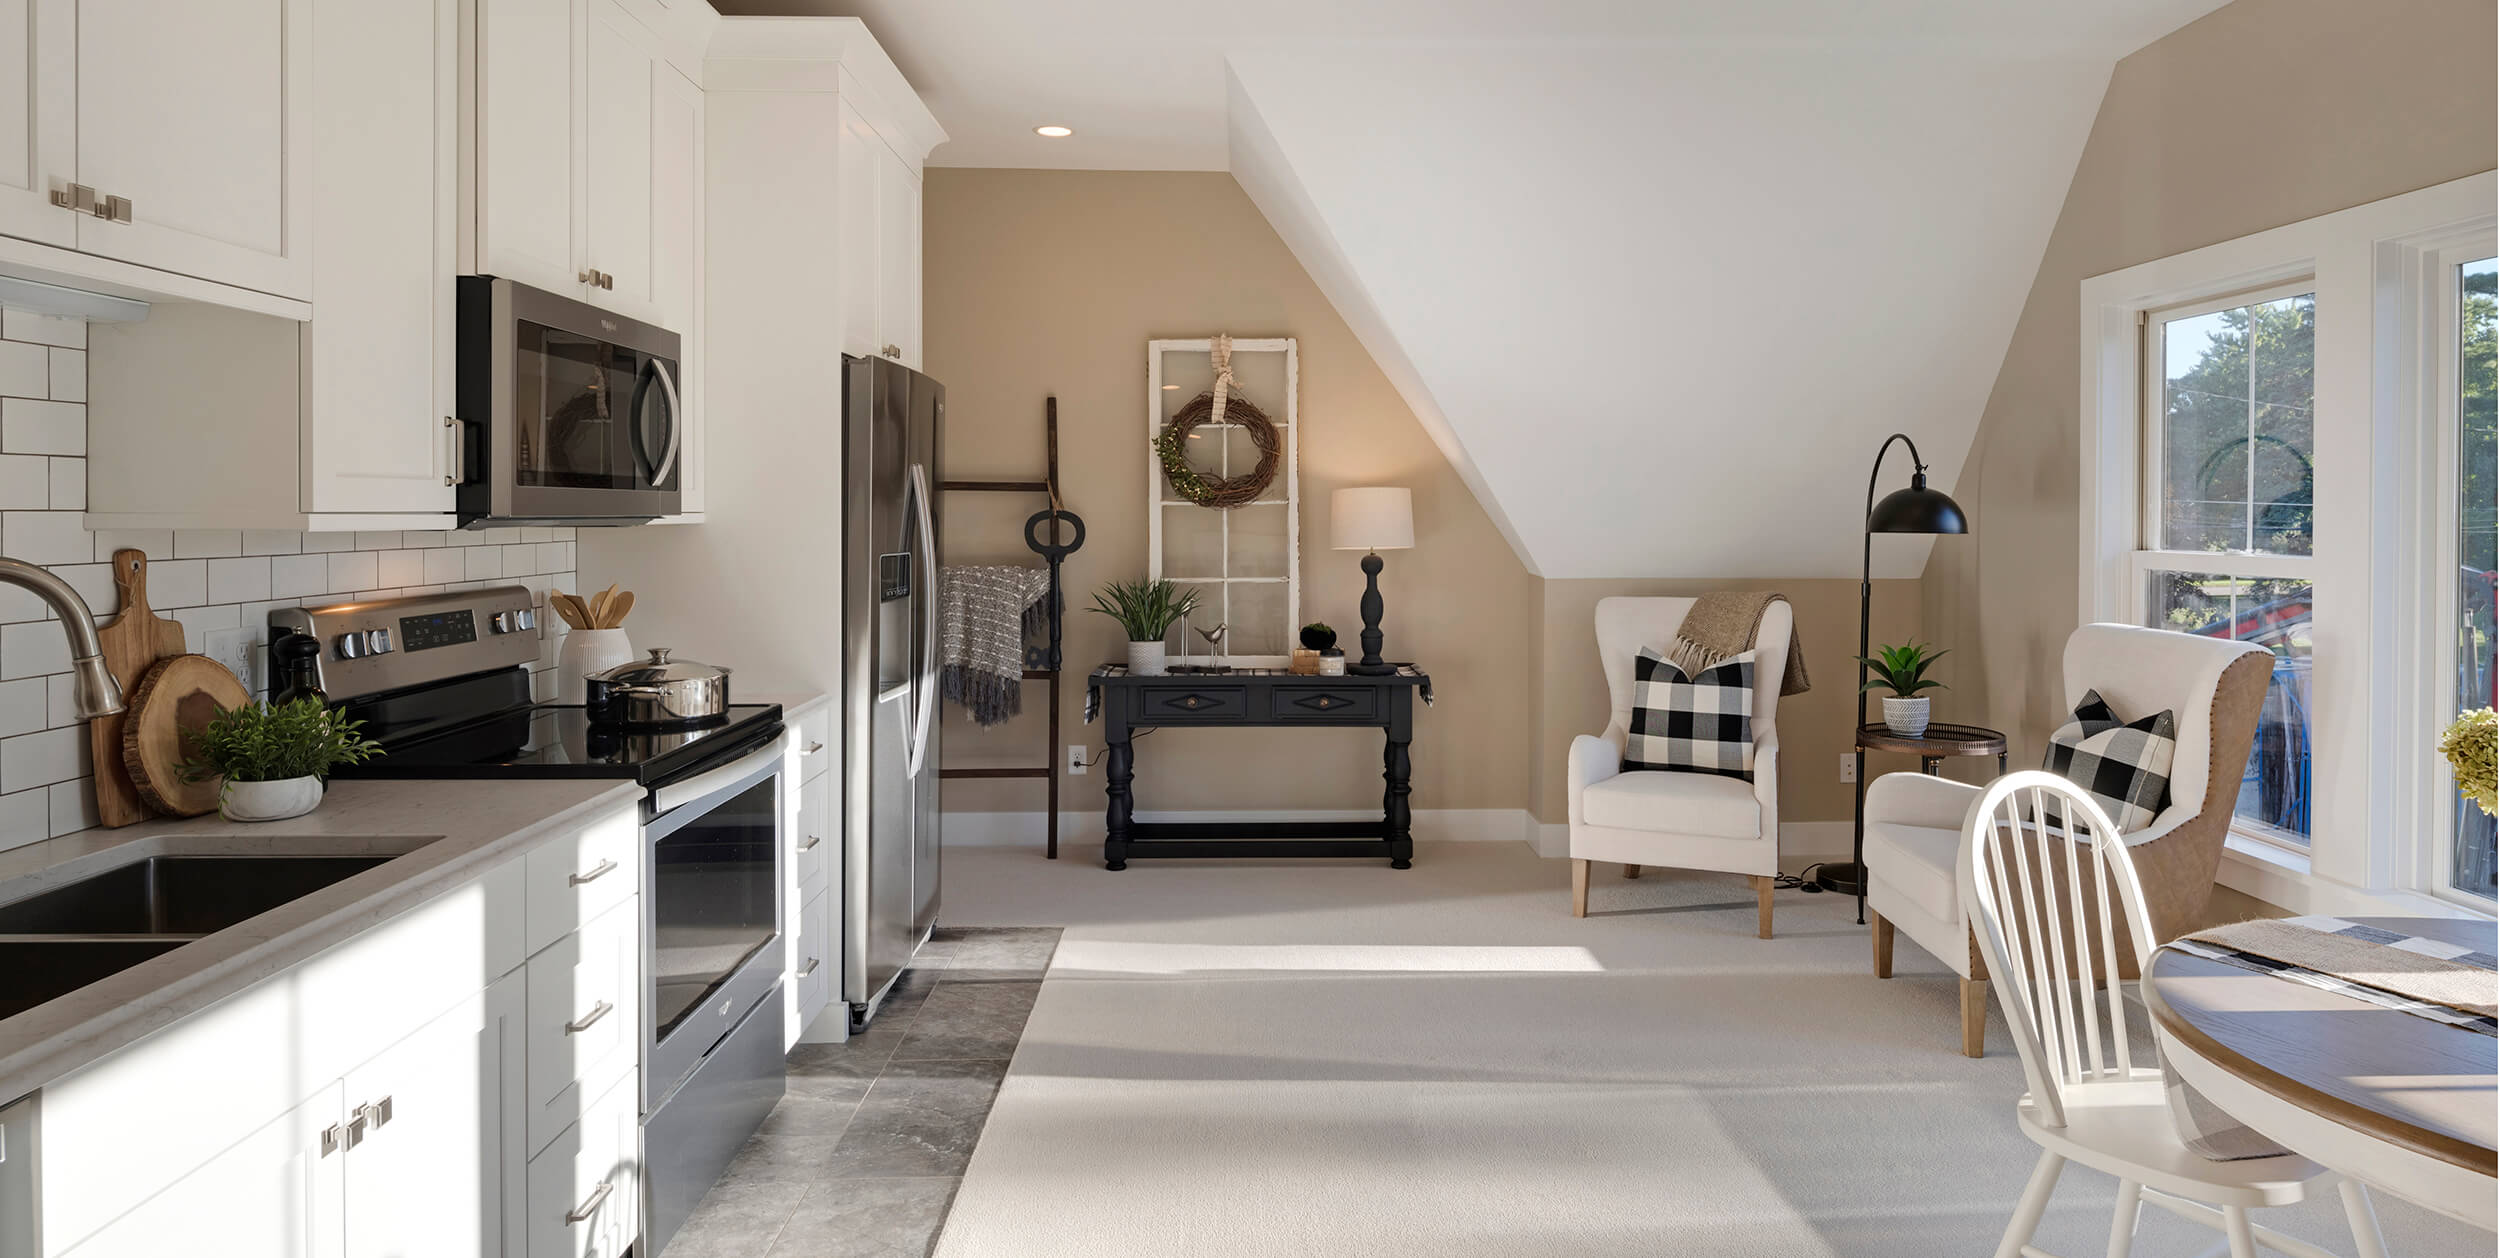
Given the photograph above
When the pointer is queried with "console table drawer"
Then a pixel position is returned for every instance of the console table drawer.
(1187, 703)
(1325, 703)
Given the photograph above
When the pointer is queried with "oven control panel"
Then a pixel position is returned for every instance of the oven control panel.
(383, 644)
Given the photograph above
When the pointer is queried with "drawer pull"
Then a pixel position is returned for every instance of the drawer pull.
(812, 749)
(590, 1204)
(810, 967)
(814, 841)
(590, 1019)
(594, 873)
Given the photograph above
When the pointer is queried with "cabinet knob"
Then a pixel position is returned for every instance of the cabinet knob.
(892, 351)
(586, 276)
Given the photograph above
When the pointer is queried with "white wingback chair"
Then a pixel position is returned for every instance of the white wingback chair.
(1676, 820)
(1915, 823)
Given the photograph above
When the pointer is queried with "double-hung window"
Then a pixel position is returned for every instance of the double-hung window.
(2287, 440)
(2230, 513)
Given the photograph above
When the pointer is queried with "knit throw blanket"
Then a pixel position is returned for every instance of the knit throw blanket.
(1723, 624)
(984, 613)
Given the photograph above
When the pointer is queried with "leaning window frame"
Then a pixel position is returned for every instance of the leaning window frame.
(2370, 731)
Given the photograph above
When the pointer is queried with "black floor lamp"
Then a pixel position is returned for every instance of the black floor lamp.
(1916, 509)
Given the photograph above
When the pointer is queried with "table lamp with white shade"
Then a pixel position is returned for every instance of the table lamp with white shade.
(1371, 520)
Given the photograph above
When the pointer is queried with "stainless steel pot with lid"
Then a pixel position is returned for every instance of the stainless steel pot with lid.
(658, 691)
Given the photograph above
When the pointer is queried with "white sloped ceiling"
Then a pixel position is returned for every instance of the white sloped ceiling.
(1660, 277)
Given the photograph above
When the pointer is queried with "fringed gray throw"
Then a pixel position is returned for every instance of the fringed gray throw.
(984, 613)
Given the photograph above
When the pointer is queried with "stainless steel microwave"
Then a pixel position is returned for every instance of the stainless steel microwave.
(569, 414)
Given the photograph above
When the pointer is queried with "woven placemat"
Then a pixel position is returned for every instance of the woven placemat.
(2366, 957)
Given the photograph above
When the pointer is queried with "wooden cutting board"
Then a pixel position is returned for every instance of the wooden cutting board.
(175, 699)
(133, 644)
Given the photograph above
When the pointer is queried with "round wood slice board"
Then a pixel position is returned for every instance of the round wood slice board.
(179, 695)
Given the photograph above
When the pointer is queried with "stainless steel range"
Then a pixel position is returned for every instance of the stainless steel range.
(442, 682)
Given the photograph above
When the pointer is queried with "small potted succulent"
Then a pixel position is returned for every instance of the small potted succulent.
(1317, 636)
(1146, 610)
(274, 757)
(1903, 671)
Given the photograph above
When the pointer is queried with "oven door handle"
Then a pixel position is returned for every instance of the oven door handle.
(677, 794)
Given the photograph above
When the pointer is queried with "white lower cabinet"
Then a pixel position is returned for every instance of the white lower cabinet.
(429, 1112)
(584, 1198)
(380, 1099)
(274, 1193)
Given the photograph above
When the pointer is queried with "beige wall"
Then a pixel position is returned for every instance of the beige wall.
(1052, 282)
(1814, 726)
(2263, 113)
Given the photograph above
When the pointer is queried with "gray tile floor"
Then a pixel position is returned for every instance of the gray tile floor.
(862, 1156)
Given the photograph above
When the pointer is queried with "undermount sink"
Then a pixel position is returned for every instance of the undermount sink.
(177, 895)
(54, 942)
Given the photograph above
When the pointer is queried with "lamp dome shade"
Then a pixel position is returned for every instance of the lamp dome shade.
(1917, 509)
(1371, 519)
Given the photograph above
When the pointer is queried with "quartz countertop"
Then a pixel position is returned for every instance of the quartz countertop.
(441, 834)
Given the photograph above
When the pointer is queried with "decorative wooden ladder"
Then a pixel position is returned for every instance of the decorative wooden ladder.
(1048, 486)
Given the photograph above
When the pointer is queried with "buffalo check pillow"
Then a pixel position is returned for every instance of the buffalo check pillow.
(1697, 724)
(2123, 765)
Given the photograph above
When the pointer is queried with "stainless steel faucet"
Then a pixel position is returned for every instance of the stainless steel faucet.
(95, 692)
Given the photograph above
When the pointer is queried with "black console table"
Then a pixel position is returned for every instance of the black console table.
(1249, 696)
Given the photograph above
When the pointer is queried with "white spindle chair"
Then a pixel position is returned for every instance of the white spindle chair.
(2043, 904)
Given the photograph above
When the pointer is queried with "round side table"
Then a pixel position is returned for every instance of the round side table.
(1942, 740)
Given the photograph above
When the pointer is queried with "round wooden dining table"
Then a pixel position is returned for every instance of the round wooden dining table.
(2402, 1103)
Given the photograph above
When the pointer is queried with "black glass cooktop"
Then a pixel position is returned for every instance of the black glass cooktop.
(552, 741)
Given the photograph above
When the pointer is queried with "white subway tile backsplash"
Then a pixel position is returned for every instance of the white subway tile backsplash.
(21, 325)
(25, 481)
(177, 582)
(443, 564)
(202, 579)
(354, 570)
(25, 706)
(43, 758)
(69, 375)
(71, 806)
(294, 576)
(207, 543)
(401, 567)
(31, 427)
(44, 537)
(69, 484)
(237, 580)
(25, 370)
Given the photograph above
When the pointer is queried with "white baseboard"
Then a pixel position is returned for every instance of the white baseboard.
(1016, 829)
(1801, 842)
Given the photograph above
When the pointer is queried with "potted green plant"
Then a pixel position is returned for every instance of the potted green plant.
(274, 756)
(1146, 609)
(1903, 671)
(1317, 636)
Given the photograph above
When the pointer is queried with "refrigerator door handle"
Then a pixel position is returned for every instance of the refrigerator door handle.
(928, 623)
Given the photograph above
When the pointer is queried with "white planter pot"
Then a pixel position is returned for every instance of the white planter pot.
(1146, 659)
(1906, 717)
(269, 801)
(587, 651)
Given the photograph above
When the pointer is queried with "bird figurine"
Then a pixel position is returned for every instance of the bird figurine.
(1215, 642)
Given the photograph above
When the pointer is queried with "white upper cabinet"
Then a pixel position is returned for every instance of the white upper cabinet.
(38, 118)
(898, 256)
(617, 178)
(877, 242)
(527, 149)
(196, 115)
(677, 257)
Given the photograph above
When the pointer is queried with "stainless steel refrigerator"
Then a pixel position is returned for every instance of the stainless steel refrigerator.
(890, 418)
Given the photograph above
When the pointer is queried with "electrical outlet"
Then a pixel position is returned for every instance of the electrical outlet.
(1848, 768)
(1076, 760)
(239, 650)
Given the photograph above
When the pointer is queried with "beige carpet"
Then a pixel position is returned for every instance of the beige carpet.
(1334, 1058)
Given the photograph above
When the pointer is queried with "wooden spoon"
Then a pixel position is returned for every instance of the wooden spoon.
(599, 607)
(616, 610)
(569, 608)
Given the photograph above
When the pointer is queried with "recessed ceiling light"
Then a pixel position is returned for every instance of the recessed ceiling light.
(1054, 131)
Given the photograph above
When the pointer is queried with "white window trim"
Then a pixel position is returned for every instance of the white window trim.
(2367, 629)
(1159, 495)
